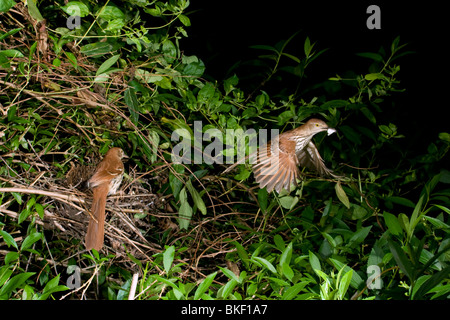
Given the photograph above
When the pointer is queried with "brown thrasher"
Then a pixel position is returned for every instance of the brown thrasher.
(275, 165)
(105, 181)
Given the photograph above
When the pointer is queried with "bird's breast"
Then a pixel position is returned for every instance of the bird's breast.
(115, 184)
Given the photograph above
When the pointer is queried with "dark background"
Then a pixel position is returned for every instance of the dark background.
(222, 32)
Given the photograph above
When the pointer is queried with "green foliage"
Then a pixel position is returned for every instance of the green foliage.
(121, 79)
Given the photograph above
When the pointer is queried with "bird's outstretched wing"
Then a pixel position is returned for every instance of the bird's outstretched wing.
(310, 158)
(276, 169)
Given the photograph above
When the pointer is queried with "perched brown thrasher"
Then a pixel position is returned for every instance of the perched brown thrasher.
(105, 181)
(275, 165)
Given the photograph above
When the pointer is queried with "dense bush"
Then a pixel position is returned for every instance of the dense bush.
(188, 231)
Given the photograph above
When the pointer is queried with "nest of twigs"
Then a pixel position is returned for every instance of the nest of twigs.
(67, 203)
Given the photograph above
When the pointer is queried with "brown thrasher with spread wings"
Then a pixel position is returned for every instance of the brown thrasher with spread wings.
(105, 181)
(275, 165)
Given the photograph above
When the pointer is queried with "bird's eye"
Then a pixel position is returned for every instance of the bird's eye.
(317, 124)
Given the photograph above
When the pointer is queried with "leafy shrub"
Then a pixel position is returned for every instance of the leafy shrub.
(189, 232)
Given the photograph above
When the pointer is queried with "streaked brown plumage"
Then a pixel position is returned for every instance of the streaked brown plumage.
(105, 181)
(276, 165)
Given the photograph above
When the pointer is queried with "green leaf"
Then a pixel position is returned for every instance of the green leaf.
(198, 201)
(393, 224)
(444, 136)
(431, 283)
(265, 263)
(230, 274)
(24, 214)
(96, 48)
(244, 174)
(178, 124)
(143, 144)
(279, 242)
(278, 281)
(185, 210)
(289, 202)
(168, 257)
(39, 209)
(194, 69)
(11, 256)
(401, 259)
(204, 286)
(358, 212)
(169, 50)
(72, 59)
(9, 240)
(107, 64)
(374, 76)
(371, 55)
(286, 255)
(13, 31)
(132, 104)
(206, 93)
(284, 117)
(17, 196)
(314, 262)
(359, 236)
(14, 283)
(264, 47)
(165, 83)
(115, 24)
(290, 56)
(29, 240)
(110, 12)
(334, 104)
(344, 283)
(287, 271)
(262, 199)
(242, 253)
(168, 282)
(184, 20)
(12, 53)
(443, 208)
(5, 5)
(76, 8)
(146, 76)
(307, 47)
(342, 196)
(52, 287)
(230, 84)
(176, 182)
(228, 288)
(34, 11)
(356, 281)
(293, 291)
(437, 223)
(400, 200)
(415, 217)
(153, 136)
(5, 274)
(369, 115)
(404, 222)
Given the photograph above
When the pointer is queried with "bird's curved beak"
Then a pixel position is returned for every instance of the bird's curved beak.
(331, 131)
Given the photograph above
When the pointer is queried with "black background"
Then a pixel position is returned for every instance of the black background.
(222, 32)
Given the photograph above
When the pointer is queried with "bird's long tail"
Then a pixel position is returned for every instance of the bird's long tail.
(96, 229)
